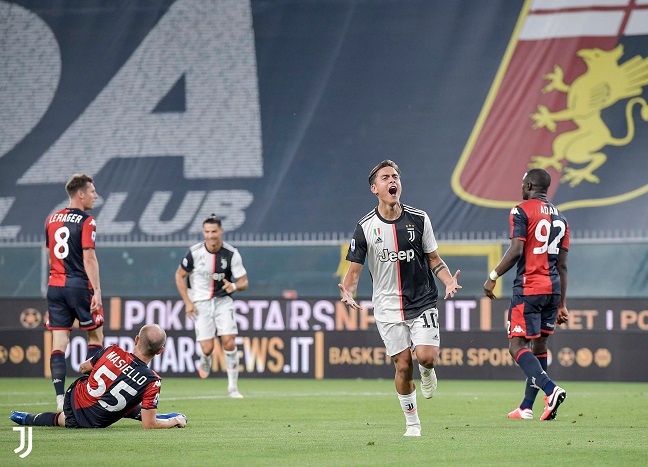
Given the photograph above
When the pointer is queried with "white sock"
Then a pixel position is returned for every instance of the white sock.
(232, 365)
(408, 404)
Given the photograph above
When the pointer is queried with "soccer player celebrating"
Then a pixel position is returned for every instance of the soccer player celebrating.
(73, 290)
(117, 384)
(214, 271)
(399, 244)
(539, 244)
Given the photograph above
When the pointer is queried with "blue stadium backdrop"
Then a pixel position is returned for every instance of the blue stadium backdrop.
(271, 113)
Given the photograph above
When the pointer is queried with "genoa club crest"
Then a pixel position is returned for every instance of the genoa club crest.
(570, 97)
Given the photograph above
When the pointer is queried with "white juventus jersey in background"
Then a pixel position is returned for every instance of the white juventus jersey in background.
(207, 270)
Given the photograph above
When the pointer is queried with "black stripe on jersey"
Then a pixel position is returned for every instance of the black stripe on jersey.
(229, 247)
(411, 210)
(367, 216)
(213, 282)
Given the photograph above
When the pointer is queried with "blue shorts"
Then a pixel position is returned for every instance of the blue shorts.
(65, 304)
(532, 315)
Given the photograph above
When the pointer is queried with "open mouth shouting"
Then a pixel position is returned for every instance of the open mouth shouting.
(393, 190)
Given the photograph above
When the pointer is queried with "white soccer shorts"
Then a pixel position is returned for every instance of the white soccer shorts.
(215, 317)
(423, 330)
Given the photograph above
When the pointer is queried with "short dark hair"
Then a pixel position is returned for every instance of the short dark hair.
(76, 183)
(213, 219)
(539, 178)
(385, 163)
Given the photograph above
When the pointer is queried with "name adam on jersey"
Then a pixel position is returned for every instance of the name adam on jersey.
(393, 256)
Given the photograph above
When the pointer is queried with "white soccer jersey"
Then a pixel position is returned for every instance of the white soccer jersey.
(403, 285)
(207, 270)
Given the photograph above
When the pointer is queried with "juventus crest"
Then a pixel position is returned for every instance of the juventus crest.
(411, 233)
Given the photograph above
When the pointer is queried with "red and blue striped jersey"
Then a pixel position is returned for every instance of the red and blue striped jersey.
(118, 382)
(67, 233)
(544, 231)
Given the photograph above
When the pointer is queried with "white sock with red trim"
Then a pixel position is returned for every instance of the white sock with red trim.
(408, 404)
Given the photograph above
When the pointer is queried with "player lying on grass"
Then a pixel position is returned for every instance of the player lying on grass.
(117, 384)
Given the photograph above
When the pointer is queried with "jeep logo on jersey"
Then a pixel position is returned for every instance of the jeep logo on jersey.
(216, 276)
(393, 256)
(545, 109)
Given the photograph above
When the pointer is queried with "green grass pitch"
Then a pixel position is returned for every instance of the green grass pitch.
(344, 422)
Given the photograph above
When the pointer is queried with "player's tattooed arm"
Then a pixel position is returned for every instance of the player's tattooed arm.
(438, 268)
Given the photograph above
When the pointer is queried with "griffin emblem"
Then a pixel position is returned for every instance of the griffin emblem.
(603, 84)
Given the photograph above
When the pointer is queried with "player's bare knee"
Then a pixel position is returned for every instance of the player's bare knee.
(229, 343)
(514, 349)
(95, 336)
(428, 358)
(207, 347)
(403, 368)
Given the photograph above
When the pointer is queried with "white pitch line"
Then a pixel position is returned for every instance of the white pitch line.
(259, 395)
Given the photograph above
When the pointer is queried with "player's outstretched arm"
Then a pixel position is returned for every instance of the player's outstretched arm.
(151, 422)
(349, 285)
(440, 269)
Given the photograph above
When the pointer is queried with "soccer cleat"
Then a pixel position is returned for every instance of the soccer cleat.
(234, 394)
(166, 416)
(18, 417)
(413, 430)
(525, 414)
(59, 402)
(205, 366)
(428, 382)
(552, 402)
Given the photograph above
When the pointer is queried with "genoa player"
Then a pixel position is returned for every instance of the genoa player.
(399, 245)
(118, 384)
(539, 246)
(73, 291)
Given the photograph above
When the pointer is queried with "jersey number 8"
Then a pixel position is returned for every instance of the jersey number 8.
(61, 249)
